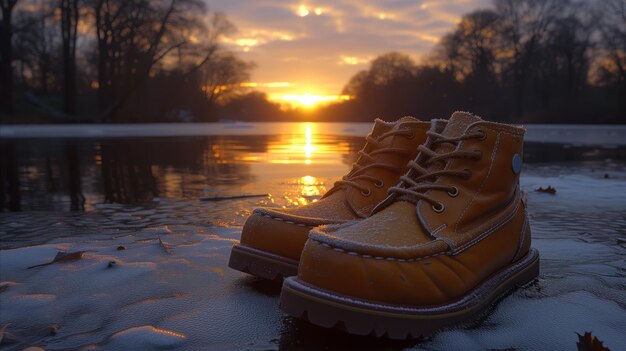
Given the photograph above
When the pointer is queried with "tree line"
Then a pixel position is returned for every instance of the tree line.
(114, 60)
(556, 61)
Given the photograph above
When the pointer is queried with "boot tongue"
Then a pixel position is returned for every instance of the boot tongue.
(360, 205)
(456, 126)
(408, 119)
(458, 123)
(380, 127)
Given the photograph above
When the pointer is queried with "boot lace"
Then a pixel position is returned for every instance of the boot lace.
(419, 179)
(366, 161)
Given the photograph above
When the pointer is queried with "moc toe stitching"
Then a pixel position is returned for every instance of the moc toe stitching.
(292, 219)
(288, 222)
(399, 259)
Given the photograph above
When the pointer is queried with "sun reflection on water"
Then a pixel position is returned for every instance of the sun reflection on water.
(308, 146)
(310, 186)
(303, 146)
(309, 190)
(293, 166)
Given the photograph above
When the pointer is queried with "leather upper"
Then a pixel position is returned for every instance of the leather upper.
(409, 253)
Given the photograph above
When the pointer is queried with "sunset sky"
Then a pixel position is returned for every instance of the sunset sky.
(306, 51)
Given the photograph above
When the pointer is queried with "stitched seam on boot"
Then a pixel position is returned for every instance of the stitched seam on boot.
(504, 128)
(438, 229)
(482, 185)
(352, 253)
(288, 222)
(522, 238)
(489, 231)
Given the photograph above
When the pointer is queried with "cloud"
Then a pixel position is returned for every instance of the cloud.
(317, 45)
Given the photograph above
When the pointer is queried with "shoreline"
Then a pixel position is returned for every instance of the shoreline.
(576, 134)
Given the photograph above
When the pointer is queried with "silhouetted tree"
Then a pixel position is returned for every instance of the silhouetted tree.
(561, 68)
(36, 46)
(523, 24)
(69, 25)
(251, 106)
(471, 53)
(136, 39)
(6, 55)
(221, 77)
(380, 90)
(611, 69)
(10, 193)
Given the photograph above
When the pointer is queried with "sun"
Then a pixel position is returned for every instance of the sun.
(308, 100)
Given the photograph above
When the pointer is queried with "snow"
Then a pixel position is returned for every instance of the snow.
(544, 324)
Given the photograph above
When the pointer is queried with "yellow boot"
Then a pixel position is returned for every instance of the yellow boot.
(450, 239)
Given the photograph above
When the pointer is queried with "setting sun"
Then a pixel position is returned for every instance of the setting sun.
(307, 100)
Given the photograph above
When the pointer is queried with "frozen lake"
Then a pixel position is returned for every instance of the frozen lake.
(96, 188)
(554, 133)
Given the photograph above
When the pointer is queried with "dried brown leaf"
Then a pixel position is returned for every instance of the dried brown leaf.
(547, 190)
(588, 342)
(62, 257)
(165, 247)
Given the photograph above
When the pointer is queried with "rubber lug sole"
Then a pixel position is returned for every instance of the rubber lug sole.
(361, 317)
(261, 263)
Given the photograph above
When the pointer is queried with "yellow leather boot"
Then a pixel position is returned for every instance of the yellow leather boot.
(273, 238)
(450, 239)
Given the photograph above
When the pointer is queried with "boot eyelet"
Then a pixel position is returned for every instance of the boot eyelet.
(438, 207)
(366, 193)
(379, 184)
(411, 136)
(482, 133)
(454, 192)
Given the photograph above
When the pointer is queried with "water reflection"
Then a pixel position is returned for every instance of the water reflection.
(74, 175)
(295, 167)
(9, 179)
(309, 189)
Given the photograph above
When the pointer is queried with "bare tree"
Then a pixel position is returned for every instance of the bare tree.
(613, 31)
(36, 46)
(523, 24)
(136, 38)
(568, 49)
(221, 78)
(6, 55)
(612, 67)
(392, 66)
(69, 25)
(358, 84)
(473, 47)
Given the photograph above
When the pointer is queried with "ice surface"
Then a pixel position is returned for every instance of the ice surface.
(189, 299)
(574, 134)
(145, 337)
